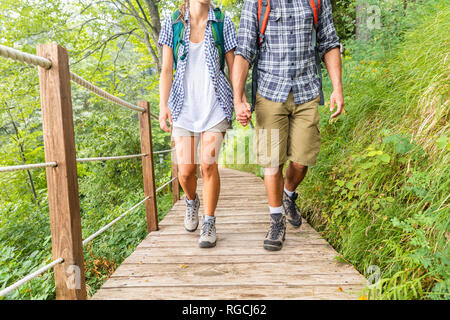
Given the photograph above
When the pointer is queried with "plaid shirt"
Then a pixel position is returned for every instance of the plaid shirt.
(287, 58)
(222, 88)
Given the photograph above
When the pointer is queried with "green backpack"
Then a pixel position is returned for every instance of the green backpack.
(217, 31)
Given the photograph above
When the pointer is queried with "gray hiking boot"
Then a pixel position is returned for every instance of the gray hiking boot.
(276, 234)
(291, 211)
(191, 216)
(208, 233)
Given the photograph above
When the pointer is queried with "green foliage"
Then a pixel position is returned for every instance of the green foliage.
(380, 190)
(107, 189)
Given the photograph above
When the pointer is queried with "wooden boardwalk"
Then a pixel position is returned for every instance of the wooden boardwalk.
(168, 264)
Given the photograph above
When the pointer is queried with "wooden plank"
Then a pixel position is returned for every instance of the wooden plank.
(289, 292)
(62, 181)
(226, 280)
(232, 251)
(281, 258)
(241, 269)
(229, 239)
(148, 169)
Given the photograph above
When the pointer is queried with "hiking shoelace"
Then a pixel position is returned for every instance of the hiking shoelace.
(276, 228)
(207, 227)
(292, 207)
(191, 209)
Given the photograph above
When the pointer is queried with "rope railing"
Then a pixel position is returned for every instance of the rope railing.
(83, 160)
(31, 276)
(24, 57)
(105, 95)
(109, 225)
(163, 151)
(165, 184)
(28, 166)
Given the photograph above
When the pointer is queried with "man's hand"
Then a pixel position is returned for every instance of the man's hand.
(243, 112)
(164, 115)
(337, 98)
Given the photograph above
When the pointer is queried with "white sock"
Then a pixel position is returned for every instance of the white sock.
(289, 193)
(209, 218)
(275, 210)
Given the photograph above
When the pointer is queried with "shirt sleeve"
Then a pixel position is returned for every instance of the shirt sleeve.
(326, 33)
(166, 34)
(248, 31)
(229, 34)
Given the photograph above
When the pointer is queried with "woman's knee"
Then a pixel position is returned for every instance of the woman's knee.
(209, 169)
(186, 172)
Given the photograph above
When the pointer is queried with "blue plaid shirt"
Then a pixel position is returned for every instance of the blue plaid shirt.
(223, 90)
(287, 60)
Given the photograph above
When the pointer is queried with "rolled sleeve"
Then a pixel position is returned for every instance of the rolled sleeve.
(166, 34)
(326, 33)
(229, 33)
(248, 31)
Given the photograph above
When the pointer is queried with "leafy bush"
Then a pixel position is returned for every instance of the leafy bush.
(379, 193)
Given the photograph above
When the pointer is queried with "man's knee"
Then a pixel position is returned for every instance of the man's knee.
(299, 167)
(273, 171)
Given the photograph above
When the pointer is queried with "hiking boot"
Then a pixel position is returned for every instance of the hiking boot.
(208, 233)
(276, 234)
(191, 216)
(291, 211)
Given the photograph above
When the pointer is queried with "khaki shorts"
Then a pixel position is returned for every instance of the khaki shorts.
(222, 126)
(286, 131)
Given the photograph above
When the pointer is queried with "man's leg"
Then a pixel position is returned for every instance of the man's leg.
(273, 180)
(303, 148)
(272, 126)
(295, 173)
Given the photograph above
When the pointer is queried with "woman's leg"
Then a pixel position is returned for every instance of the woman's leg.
(186, 148)
(209, 155)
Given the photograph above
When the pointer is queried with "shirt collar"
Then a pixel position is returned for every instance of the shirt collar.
(211, 15)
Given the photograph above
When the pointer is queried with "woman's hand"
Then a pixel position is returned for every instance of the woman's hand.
(243, 113)
(164, 115)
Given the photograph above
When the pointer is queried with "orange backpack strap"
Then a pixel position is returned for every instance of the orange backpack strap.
(316, 7)
(263, 18)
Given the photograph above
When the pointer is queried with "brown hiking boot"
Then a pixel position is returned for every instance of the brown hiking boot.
(276, 234)
(291, 211)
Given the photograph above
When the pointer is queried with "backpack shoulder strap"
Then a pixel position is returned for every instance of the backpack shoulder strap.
(217, 31)
(316, 7)
(263, 17)
(178, 35)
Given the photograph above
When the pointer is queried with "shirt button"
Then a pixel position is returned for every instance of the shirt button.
(292, 49)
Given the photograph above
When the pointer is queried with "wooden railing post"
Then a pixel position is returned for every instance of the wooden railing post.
(175, 183)
(62, 181)
(148, 169)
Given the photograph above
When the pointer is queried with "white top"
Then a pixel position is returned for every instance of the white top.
(201, 109)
